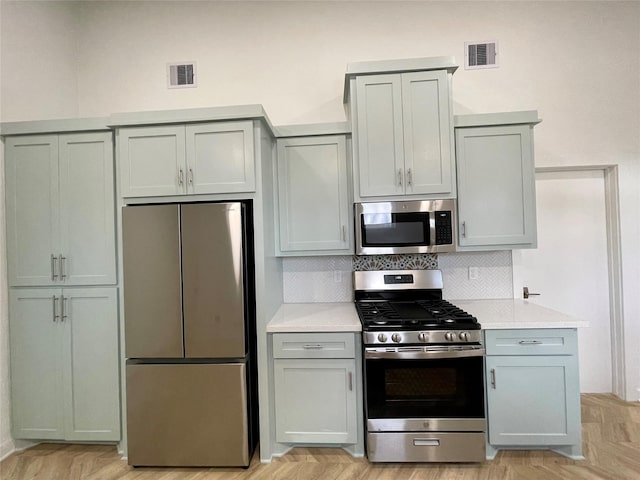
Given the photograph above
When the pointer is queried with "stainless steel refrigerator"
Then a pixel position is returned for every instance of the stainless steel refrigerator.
(189, 308)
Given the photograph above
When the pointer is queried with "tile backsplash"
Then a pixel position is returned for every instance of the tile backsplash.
(329, 279)
(426, 261)
(317, 279)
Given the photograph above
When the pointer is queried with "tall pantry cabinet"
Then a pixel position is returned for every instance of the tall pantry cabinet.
(63, 322)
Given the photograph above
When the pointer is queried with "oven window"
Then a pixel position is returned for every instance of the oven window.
(395, 229)
(440, 388)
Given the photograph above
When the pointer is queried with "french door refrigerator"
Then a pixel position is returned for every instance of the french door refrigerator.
(189, 306)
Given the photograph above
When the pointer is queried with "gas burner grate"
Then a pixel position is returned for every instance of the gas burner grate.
(414, 315)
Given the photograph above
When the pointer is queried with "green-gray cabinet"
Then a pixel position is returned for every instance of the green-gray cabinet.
(60, 209)
(533, 391)
(403, 135)
(315, 384)
(496, 181)
(186, 159)
(64, 364)
(314, 207)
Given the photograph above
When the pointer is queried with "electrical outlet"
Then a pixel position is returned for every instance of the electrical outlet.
(337, 276)
(473, 273)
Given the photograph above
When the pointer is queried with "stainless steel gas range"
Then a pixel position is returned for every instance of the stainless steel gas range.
(423, 370)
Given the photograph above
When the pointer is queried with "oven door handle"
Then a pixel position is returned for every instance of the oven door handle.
(422, 355)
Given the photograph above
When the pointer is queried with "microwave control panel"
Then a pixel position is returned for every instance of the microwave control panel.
(443, 228)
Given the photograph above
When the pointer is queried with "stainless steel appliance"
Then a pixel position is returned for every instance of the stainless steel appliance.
(405, 227)
(423, 370)
(189, 308)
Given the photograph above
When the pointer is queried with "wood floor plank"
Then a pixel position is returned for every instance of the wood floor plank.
(611, 446)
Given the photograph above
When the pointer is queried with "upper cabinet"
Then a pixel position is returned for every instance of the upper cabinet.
(313, 194)
(199, 158)
(60, 209)
(496, 180)
(402, 128)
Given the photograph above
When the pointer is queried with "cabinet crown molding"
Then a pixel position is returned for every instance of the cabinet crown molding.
(54, 126)
(207, 114)
(492, 119)
(396, 66)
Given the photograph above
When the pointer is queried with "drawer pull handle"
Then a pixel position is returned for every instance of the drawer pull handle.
(312, 347)
(426, 442)
(530, 342)
(350, 381)
(493, 378)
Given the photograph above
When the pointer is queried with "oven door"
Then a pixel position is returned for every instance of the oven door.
(435, 386)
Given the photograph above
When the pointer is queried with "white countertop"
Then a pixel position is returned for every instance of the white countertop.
(315, 317)
(515, 313)
(491, 313)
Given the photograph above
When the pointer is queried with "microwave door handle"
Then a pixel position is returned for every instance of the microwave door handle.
(432, 229)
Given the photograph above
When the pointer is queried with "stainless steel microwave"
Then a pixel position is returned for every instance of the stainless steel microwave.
(427, 226)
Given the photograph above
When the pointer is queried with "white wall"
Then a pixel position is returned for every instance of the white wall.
(577, 63)
(39, 58)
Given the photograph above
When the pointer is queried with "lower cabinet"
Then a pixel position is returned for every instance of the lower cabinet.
(64, 364)
(533, 391)
(315, 388)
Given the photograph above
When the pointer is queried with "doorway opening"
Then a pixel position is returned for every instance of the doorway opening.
(612, 269)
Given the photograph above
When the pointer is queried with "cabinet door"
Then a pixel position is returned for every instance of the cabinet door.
(315, 401)
(91, 364)
(32, 210)
(87, 217)
(312, 191)
(152, 161)
(427, 126)
(220, 157)
(533, 400)
(36, 335)
(496, 183)
(379, 135)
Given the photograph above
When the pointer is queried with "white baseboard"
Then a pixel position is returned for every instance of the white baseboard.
(11, 446)
(6, 448)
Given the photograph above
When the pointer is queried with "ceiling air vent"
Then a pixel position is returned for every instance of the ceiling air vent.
(480, 55)
(181, 75)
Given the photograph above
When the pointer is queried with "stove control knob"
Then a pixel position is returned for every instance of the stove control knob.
(423, 337)
(450, 336)
(464, 336)
(396, 337)
(382, 337)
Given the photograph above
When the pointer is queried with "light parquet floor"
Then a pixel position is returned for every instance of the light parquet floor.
(611, 442)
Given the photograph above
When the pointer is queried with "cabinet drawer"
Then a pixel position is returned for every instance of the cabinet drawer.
(552, 341)
(313, 345)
